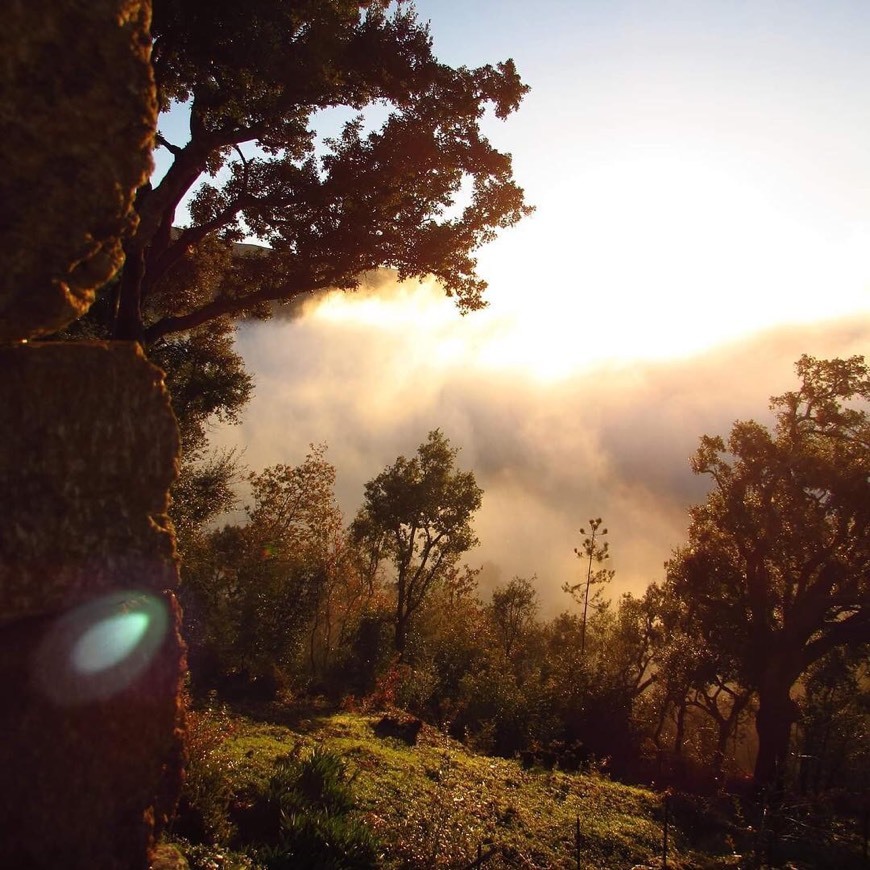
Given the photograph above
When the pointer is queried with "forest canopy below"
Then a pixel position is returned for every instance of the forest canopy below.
(752, 652)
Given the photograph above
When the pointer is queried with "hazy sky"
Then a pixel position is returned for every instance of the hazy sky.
(701, 172)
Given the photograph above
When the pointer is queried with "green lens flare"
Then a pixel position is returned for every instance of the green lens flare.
(101, 648)
(109, 642)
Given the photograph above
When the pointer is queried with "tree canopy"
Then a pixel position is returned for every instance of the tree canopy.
(418, 194)
(250, 591)
(417, 515)
(513, 609)
(776, 573)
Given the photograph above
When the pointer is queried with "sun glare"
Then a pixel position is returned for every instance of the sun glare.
(670, 256)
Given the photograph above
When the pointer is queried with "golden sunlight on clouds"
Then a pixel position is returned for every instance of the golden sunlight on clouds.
(668, 256)
(671, 258)
(702, 187)
(415, 314)
(612, 441)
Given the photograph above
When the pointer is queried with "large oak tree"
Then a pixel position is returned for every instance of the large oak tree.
(418, 193)
(776, 573)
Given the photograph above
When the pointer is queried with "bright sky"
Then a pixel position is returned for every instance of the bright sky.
(700, 170)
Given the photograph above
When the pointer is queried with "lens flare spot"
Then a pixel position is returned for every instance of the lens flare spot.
(101, 648)
(109, 642)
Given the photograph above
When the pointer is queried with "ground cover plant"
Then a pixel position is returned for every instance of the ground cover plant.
(283, 793)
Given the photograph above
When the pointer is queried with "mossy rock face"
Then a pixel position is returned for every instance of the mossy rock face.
(89, 776)
(91, 658)
(90, 451)
(78, 113)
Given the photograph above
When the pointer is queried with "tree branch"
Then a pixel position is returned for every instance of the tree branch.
(170, 256)
(852, 630)
(226, 306)
(161, 140)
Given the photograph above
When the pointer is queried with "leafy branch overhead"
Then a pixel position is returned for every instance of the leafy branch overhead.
(255, 77)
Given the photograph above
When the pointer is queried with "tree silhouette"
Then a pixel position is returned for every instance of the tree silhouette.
(513, 609)
(594, 552)
(255, 77)
(417, 515)
(776, 573)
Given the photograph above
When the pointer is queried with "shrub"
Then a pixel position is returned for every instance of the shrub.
(320, 781)
(367, 657)
(203, 810)
(310, 802)
(320, 841)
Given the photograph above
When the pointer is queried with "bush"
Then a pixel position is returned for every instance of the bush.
(319, 781)
(499, 716)
(320, 841)
(310, 802)
(203, 810)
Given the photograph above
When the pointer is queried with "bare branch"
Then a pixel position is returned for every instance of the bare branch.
(173, 149)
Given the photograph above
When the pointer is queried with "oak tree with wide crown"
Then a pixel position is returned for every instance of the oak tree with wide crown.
(418, 194)
(776, 573)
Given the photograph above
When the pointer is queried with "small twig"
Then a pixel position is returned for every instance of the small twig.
(174, 149)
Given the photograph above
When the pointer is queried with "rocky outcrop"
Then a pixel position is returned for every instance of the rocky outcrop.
(89, 450)
(91, 659)
(90, 654)
(399, 726)
(77, 116)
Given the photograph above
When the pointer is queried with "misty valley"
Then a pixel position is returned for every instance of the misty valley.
(743, 672)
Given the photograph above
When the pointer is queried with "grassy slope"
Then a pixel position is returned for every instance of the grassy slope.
(435, 804)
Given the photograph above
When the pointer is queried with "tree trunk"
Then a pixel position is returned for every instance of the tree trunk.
(401, 633)
(719, 756)
(402, 608)
(776, 713)
(680, 736)
(128, 314)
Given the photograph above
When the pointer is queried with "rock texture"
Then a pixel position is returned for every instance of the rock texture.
(89, 451)
(87, 782)
(77, 119)
(90, 655)
(91, 659)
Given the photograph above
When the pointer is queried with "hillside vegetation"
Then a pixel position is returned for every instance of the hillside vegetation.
(685, 686)
(434, 804)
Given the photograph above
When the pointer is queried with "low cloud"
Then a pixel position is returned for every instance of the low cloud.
(372, 373)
